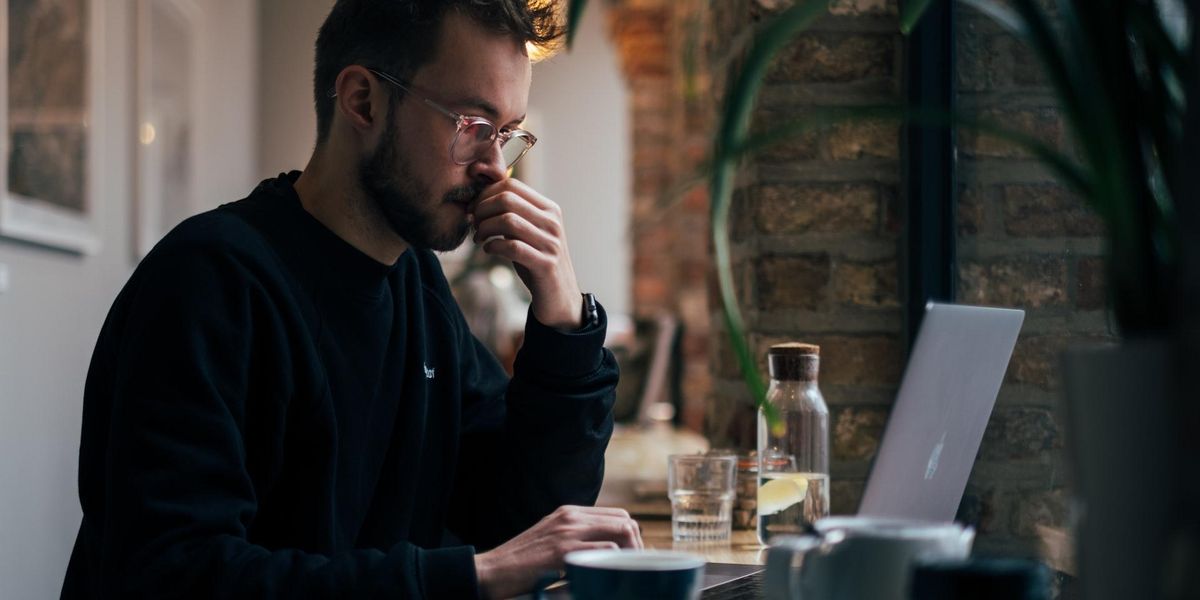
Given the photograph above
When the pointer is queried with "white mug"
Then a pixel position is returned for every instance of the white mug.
(860, 557)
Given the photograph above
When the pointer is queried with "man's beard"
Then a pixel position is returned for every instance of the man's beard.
(405, 202)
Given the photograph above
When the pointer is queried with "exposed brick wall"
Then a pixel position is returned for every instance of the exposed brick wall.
(816, 235)
(672, 115)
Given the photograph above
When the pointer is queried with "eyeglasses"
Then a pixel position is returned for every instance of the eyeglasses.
(475, 135)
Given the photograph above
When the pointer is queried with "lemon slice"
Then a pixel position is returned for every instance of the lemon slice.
(779, 494)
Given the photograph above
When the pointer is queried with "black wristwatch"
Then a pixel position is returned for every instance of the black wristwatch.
(591, 314)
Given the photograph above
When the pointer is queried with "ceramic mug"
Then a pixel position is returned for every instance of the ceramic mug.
(634, 574)
(860, 557)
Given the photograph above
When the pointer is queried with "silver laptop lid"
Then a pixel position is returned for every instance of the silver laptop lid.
(954, 373)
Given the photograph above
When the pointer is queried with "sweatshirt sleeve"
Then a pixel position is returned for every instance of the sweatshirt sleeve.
(171, 514)
(537, 441)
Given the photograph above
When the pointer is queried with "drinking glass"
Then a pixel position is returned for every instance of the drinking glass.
(701, 488)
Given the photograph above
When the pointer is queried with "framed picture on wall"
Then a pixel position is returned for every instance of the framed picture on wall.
(166, 87)
(48, 75)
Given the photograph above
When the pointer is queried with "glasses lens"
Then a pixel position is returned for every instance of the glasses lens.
(472, 142)
(514, 148)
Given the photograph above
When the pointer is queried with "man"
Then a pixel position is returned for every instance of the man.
(285, 401)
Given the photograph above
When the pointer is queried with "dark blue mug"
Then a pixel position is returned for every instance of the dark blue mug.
(634, 575)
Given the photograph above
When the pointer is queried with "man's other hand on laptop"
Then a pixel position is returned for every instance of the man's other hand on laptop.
(513, 567)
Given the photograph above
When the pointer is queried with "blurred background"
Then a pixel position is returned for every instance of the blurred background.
(154, 110)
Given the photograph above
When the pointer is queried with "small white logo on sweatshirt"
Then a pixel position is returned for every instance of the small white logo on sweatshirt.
(428, 371)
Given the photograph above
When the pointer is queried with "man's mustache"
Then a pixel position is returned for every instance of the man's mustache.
(464, 195)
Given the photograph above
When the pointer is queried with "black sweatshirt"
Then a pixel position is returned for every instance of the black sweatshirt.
(271, 413)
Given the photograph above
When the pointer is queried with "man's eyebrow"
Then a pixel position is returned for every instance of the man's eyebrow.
(490, 111)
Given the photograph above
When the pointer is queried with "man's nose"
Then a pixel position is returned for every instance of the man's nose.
(489, 167)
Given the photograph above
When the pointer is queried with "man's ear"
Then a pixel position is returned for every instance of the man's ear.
(358, 98)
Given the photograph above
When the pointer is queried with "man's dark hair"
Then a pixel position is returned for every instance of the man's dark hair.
(399, 37)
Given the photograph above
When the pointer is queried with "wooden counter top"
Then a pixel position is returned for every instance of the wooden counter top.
(742, 548)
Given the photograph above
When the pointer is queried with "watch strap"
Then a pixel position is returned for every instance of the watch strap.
(591, 313)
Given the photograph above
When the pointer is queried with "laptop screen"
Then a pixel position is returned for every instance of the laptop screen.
(937, 422)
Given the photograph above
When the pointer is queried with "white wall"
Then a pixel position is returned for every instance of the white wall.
(583, 157)
(52, 312)
(287, 126)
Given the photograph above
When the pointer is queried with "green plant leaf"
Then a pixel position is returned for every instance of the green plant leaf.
(911, 13)
(574, 17)
(739, 102)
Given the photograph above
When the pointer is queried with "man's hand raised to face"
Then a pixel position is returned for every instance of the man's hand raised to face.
(516, 222)
(513, 567)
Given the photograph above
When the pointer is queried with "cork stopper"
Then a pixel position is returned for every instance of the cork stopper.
(794, 361)
(795, 349)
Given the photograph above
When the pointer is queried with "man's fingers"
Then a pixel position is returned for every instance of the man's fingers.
(514, 226)
(517, 251)
(510, 202)
(601, 510)
(520, 188)
(583, 545)
(622, 530)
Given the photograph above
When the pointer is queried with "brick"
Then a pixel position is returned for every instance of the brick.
(798, 147)
(731, 424)
(845, 495)
(1019, 434)
(981, 507)
(1091, 291)
(867, 285)
(726, 361)
(791, 281)
(694, 274)
(1043, 124)
(743, 289)
(833, 208)
(983, 62)
(645, 57)
(1028, 282)
(1036, 360)
(1040, 507)
(970, 213)
(836, 58)
(1027, 67)
(1048, 7)
(864, 139)
(855, 8)
(742, 209)
(641, 21)
(1046, 210)
(867, 360)
(693, 236)
(651, 291)
(856, 431)
(892, 219)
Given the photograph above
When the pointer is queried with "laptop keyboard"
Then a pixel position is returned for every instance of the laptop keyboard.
(750, 586)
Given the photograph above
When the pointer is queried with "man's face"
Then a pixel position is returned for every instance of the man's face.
(410, 175)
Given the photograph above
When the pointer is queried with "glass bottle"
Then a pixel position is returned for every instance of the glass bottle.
(793, 455)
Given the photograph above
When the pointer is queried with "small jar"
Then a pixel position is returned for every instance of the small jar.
(745, 503)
